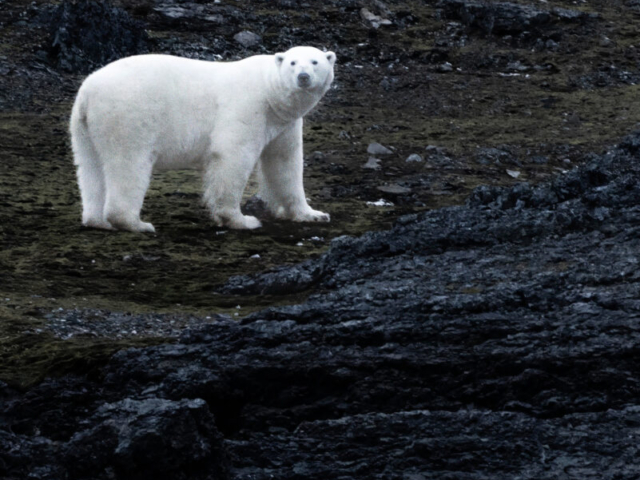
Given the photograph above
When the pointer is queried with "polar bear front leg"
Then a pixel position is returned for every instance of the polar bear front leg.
(281, 182)
(225, 179)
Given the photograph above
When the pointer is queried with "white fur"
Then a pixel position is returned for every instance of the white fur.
(155, 112)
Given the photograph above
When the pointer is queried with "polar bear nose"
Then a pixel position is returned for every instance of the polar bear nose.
(304, 79)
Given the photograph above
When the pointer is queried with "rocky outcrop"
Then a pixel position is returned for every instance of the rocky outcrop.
(506, 18)
(496, 339)
(87, 35)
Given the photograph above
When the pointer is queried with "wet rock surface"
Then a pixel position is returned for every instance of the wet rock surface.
(500, 338)
(134, 439)
(502, 18)
(88, 35)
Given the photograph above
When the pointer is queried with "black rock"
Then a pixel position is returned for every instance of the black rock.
(128, 439)
(496, 156)
(152, 437)
(87, 35)
(505, 18)
(634, 5)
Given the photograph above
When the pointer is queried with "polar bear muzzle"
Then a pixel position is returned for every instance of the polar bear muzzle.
(304, 80)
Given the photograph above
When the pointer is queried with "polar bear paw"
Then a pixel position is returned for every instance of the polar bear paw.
(97, 223)
(238, 222)
(136, 227)
(312, 216)
(120, 220)
(144, 227)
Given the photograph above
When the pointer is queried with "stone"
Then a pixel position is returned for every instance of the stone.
(374, 20)
(394, 189)
(496, 156)
(317, 156)
(378, 149)
(372, 164)
(247, 39)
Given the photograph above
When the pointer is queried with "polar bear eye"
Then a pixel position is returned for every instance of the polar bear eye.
(315, 62)
(293, 63)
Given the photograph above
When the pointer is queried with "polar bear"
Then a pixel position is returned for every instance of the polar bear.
(155, 112)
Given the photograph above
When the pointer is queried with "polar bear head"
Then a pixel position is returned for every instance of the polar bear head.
(306, 68)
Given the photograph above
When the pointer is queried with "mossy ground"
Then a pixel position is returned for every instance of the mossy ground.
(48, 261)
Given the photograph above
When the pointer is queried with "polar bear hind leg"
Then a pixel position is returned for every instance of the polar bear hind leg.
(127, 181)
(90, 175)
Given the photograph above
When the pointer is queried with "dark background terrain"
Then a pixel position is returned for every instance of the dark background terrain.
(494, 339)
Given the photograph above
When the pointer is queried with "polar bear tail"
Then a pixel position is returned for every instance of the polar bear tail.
(78, 127)
(89, 167)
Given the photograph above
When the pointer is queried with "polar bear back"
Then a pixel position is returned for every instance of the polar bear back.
(172, 103)
(145, 77)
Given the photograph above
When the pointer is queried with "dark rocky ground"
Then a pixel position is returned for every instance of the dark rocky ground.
(498, 339)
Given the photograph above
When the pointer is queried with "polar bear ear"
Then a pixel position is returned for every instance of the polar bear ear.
(279, 58)
(331, 57)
